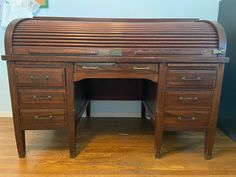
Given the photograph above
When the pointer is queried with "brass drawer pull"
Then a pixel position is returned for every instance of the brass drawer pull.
(43, 117)
(186, 118)
(49, 97)
(141, 68)
(186, 99)
(47, 77)
(185, 78)
(32, 77)
(90, 67)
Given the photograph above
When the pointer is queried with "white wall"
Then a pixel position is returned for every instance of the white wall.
(203, 9)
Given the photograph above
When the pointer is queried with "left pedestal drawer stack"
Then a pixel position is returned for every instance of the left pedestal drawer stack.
(40, 91)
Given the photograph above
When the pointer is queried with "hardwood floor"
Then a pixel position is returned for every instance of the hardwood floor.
(114, 147)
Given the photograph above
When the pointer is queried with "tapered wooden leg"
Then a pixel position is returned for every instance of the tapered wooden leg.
(205, 146)
(143, 111)
(158, 138)
(210, 135)
(72, 142)
(72, 137)
(209, 143)
(88, 110)
(158, 144)
(19, 134)
(20, 143)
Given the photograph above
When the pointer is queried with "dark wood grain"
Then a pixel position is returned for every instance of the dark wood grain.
(70, 105)
(186, 120)
(9, 35)
(210, 133)
(147, 59)
(42, 97)
(180, 99)
(191, 77)
(40, 76)
(159, 114)
(58, 65)
(42, 117)
(19, 132)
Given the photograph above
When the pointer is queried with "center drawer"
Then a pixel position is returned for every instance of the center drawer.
(95, 67)
(116, 71)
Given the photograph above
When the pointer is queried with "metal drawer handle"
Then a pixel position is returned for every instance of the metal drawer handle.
(186, 99)
(186, 118)
(32, 77)
(49, 97)
(141, 68)
(90, 67)
(43, 117)
(185, 78)
(47, 77)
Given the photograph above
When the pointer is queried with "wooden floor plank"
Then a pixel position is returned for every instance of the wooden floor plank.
(114, 147)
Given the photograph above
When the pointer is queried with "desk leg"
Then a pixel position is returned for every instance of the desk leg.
(209, 143)
(19, 133)
(72, 141)
(143, 111)
(159, 116)
(88, 110)
(71, 112)
(158, 138)
(210, 134)
(20, 142)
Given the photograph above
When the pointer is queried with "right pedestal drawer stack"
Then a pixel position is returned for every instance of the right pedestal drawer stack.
(191, 99)
(189, 93)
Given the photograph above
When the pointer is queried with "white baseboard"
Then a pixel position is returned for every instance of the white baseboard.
(117, 114)
(6, 114)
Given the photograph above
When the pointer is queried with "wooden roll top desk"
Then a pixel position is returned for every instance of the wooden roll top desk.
(57, 65)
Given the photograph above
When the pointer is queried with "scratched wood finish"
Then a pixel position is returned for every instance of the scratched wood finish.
(114, 147)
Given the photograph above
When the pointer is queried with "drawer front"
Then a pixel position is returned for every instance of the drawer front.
(36, 117)
(41, 96)
(188, 99)
(105, 67)
(186, 120)
(191, 78)
(40, 76)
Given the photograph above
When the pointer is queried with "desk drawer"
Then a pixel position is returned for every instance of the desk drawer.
(188, 99)
(191, 77)
(39, 117)
(41, 96)
(186, 120)
(105, 67)
(40, 76)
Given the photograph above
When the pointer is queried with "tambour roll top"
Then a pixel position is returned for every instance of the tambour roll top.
(116, 37)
